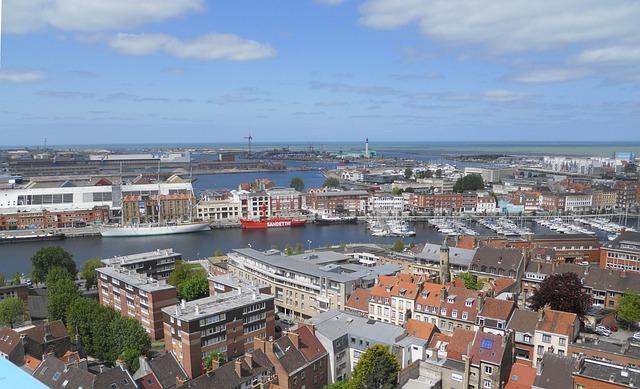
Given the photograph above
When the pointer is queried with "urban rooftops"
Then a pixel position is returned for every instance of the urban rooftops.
(222, 302)
(124, 260)
(130, 277)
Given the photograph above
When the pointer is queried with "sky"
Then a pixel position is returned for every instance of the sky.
(176, 71)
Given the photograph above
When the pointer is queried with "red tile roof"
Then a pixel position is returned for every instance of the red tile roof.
(9, 340)
(557, 322)
(521, 377)
(420, 329)
(497, 309)
(359, 300)
(309, 345)
(487, 348)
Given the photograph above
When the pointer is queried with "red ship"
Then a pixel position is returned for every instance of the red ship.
(276, 222)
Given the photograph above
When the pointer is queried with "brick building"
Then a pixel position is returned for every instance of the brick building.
(623, 253)
(137, 296)
(226, 323)
(54, 219)
(155, 264)
(353, 202)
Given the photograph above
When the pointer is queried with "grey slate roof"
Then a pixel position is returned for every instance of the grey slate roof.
(132, 278)
(225, 376)
(523, 321)
(628, 240)
(505, 258)
(457, 256)
(51, 372)
(609, 372)
(116, 378)
(334, 324)
(605, 279)
(166, 369)
(556, 372)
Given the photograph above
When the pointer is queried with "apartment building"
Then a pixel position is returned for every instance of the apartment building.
(623, 253)
(555, 331)
(353, 202)
(54, 219)
(604, 199)
(523, 325)
(444, 203)
(495, 315)
(393, 298)
(137, 296)
(597, 374)
(226, 323)
(385, 204)
(285, 202)
(491, 175)
(489, 263)
(578, 202)
(219, 208)
(307, 284)
(622, 352)
(155, 264)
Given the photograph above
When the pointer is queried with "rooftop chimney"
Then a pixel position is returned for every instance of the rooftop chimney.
(249, 359)
(183, 304)
(197, 309)
(47, 332)
(238, 366)
(295, 339)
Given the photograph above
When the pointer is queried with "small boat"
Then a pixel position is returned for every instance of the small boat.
(326, 219)
(277, 222)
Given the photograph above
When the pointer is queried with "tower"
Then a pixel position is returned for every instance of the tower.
(366, 148)
(445, 274)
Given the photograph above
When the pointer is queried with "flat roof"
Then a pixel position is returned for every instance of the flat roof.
(334, 324)
(140, 257)
(219, 303)
(130, 277)
(334, 272)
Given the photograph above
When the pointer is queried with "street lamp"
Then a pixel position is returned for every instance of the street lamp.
(249, 244)
(309, 242)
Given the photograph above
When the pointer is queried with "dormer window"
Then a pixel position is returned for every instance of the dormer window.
(468, 302)
(443, 311)
(451, 299)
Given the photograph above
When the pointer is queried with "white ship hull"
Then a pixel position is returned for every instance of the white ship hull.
(154, 230)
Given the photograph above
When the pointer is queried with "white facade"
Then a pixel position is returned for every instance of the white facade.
(486, 204)
(578, 202)
(229, 209)
(386, 204)
(79, 197)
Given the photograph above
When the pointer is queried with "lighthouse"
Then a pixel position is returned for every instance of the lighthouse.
(366, 148)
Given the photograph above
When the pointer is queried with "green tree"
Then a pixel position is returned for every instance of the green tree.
(439, 173)
(16, 279)
(469, 281)
(2, 280)
(81, 315)
(331, 182)
(297, 184)
(61, 293)
(629, 308)
(195, 287)
(11, 311)
(288, 250)
(376, 369)
(339, 385)
(398, 246)
(88, 272)
(215, 356)
(183, 272)
(469, 182)
(128, 334)
(218, 253)
(46, 258)
(299, 248)
(131, 358)
(408, 173)
(397, 191)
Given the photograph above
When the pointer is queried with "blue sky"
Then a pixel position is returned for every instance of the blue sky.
(91, 71)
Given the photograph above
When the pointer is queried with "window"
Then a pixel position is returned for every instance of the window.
(56, 376)
(488, 369)
(562, 341)
(546, 338)
(486, 384)
(527, 339)
(540, 351)
(465, 315)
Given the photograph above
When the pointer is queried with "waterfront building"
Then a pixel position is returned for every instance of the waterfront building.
(555, 331)
(386, 204)
(155, 264)
(428, 260)
(333, 202)
(490, 175)
(66, 195)
(173, 207)
(623, 253)
(486, 205)
(628, 193)
(227, 208)
(136, 295)
(308, 284)
(285, 202)
(604, 200)
(578, 202)
(443, 203)
(226, 323)
(299, 358)
(57, 219)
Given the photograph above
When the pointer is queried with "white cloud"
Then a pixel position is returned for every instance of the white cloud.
(22, 16)
(611, 55)
(540, 76)
(492, 96)
(510, 25)
(21, 75)
(210, 47)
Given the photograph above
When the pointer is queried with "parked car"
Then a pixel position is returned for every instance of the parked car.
(613, 328)
(603, 332)
(636, 336)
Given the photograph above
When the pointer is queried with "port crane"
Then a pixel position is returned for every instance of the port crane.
(249, 139)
